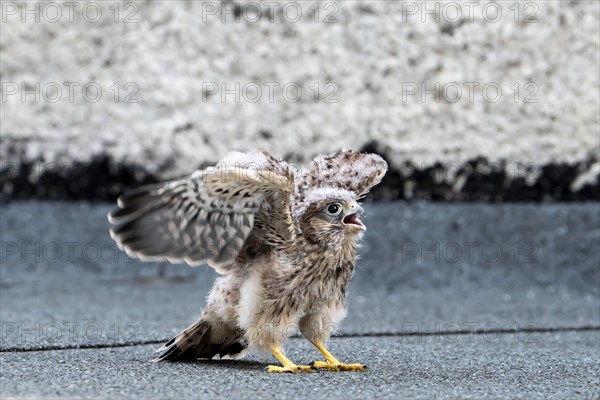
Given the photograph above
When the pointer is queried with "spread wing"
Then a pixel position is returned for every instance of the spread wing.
(348, 170)
(209, 216)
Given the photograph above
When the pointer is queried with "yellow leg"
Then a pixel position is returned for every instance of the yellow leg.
(331, 363)
(288, 366)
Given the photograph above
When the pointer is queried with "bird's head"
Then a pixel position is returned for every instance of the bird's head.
(332, 217)
(325, 207)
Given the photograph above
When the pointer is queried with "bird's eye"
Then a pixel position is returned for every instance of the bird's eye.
(333, 209)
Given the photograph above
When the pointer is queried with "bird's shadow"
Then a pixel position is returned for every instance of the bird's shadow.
(230, 364)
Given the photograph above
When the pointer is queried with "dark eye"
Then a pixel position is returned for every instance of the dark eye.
(333, 209)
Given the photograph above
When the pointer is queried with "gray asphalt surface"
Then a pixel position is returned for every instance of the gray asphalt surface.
(504, 275)
(539, 366)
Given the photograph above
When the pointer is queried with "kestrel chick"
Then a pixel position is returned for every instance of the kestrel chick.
(284, 241)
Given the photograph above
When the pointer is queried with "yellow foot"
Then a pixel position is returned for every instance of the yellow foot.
(294, 369)
(338, 366)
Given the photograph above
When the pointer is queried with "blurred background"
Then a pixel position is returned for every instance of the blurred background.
(487, 221)
(467, 101)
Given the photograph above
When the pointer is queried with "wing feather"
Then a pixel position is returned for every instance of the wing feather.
(348, 170)
(205, 217)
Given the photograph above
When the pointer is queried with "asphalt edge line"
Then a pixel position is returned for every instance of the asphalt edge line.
(102, 178)
(342, 336)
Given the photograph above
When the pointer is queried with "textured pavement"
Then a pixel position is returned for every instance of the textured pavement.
(539, 366)
(526, 309)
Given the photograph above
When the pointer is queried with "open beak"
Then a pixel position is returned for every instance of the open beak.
(352, 218)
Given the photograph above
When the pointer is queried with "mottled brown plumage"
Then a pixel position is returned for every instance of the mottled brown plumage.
(285, 242)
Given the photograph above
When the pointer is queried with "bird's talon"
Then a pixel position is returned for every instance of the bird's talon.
(279, 370)
(338, 367)
(306, 368)
(294, 369)
(353, 367)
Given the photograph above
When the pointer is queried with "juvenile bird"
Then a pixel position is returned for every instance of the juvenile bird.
(283, 239)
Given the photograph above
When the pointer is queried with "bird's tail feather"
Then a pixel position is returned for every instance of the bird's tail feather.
(195, 343)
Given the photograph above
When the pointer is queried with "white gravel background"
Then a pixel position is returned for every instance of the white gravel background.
(374, 54)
